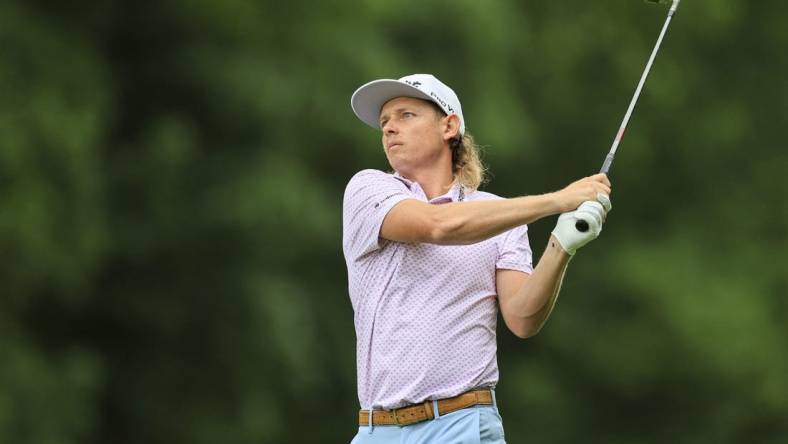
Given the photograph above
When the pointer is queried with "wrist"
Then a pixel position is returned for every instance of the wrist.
(554, 248)
(552, 202)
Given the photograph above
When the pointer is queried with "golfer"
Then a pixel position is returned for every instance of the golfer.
(431, 259)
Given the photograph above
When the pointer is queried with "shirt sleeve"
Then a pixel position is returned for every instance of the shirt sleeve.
(515, 252)
(369, 196)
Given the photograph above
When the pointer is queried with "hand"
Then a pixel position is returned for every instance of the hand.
(593, 212)
(585, 189)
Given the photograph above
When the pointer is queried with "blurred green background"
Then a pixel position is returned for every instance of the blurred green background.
(171, 180)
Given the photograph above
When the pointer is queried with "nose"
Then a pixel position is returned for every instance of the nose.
(389, 127)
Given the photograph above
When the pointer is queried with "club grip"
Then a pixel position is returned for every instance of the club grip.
(581, 226)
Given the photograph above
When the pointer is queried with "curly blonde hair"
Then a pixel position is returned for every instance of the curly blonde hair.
(467, 165)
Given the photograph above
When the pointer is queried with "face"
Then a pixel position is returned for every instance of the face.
(414, 135)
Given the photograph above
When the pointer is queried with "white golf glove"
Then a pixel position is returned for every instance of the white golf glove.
(593, 213)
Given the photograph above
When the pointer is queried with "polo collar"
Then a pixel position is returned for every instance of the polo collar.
(456, 193)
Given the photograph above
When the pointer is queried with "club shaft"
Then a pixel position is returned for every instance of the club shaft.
(622, 129)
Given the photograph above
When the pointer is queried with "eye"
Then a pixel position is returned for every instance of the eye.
(407, 114)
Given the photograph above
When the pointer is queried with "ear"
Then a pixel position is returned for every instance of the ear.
(451, 127)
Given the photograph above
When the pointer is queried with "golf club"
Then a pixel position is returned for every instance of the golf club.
(582, 225)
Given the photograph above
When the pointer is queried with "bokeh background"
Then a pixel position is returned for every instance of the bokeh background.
(171, 180)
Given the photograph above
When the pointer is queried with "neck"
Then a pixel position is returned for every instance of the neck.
(434, 183)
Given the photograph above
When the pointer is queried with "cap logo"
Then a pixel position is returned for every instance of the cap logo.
(440, 101)
(443, 103)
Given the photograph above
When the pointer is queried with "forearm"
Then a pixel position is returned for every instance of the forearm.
(415, 221)
(533, 303)
(470, 222)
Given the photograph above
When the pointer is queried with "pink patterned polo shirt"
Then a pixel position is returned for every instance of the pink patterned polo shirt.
(425, 314)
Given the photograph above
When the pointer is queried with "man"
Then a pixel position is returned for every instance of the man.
(430, 259)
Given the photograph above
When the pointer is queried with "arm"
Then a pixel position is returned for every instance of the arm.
(526, 301)
(463, 222)
(469, 222)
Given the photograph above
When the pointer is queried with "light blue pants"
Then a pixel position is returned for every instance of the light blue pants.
(479, 424)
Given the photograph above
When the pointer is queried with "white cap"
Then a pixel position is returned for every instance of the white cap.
(370, 98)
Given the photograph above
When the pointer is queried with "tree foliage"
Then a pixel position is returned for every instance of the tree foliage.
(171, 177)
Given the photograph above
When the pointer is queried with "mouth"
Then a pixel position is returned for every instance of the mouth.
(393, 145)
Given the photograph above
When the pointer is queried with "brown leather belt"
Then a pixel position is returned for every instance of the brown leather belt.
(422, 412)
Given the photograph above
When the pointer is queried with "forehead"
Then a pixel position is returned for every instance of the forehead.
(403, 102)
